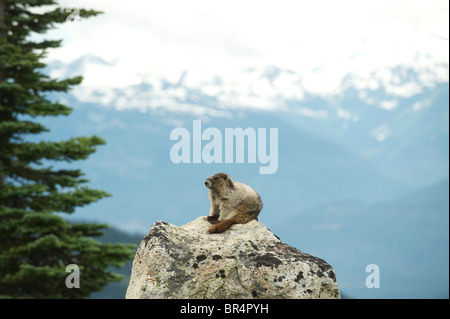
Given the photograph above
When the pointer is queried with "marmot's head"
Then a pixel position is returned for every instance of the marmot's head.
(219, 181)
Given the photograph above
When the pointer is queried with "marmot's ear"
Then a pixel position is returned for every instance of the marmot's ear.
(225, 177)
(230, 184)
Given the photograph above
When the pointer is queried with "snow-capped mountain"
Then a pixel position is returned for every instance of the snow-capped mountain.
(396, 118)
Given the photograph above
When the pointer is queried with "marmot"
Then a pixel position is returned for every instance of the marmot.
(231, 203)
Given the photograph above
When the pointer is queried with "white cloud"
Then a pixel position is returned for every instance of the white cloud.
(381, 133)
(311, 113)
(343, 114)
(422, 104)
(404, 90)
(388, 104)
(221, 48)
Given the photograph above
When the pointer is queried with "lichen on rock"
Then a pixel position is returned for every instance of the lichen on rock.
(246, 261)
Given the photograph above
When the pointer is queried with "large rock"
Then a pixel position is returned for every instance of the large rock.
(246, 261)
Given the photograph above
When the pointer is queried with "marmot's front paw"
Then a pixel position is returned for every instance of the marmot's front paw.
(212, 219)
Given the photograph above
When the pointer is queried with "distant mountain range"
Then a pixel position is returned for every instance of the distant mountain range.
(356, 183)
(402, 127)
(406, 237)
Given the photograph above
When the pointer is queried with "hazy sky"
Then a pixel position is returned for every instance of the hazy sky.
(223, 48)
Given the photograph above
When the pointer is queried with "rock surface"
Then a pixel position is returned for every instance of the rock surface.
(246, 261)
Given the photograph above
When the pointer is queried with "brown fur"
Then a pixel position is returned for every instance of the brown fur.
(231, 203)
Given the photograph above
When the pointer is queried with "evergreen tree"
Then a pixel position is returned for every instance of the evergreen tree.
(36, 242)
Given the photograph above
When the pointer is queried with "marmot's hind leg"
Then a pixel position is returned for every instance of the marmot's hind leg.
(242, 215)
(221, 226)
